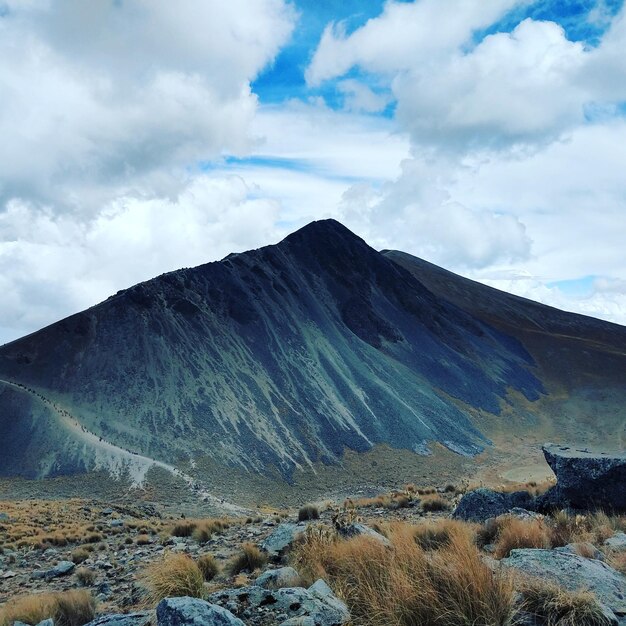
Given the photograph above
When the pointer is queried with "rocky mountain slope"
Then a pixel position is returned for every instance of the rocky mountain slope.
(278, 359)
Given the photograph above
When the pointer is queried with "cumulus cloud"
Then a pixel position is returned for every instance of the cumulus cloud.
(416, 213)
(103, 97)
(54, 264)
(523, 88)
(404, 35)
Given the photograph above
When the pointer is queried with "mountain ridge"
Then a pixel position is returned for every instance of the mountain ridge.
(272, 360)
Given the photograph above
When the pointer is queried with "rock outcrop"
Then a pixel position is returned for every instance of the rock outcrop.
(481, 504)
(193, 612)
(573, 572)
(585, 479)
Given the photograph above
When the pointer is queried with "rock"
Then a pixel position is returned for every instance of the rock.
(8, 574)
(46, 622)
(524, 514)
(62, 568)
(582, 549)
(130, 619)
(616, 543)
(481, 504)
(356, 529)
(299, 621)
(586, 480)
(4, 517)
(187, 611)
(572, 572)
(284, 535)
(320, 604)
(278, 578)
(116, 523)
(107, 511)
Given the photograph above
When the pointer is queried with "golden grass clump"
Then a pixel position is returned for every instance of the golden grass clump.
(515, 533)
(249, 559)
(174, 575)
(66, 608)
(308, 512)
(435, 535)
(79, 555)
(85, 576)
(208, 566)
(435, 503)
(406, 585)
(143, 540)
(555, 606)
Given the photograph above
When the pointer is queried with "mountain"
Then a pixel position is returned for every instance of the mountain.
(279, 360)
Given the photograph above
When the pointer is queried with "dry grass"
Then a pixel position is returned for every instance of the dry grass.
(393, 500)
(407, 585)
(515, 533)
(435, 503)
(79, 555)
(435, 535)
(208, 566)
(249, 559)
(594, 528)
(85, 576)
(200, 529)
(307, 512)
(143, 540)
(66, 608)
(618, 561)
(558, 607)
(174, 575)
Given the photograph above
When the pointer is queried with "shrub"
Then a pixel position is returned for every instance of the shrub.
(93, 538)
(249, 559)
(515, 533)
(85, 576)
(174, 575)
(434, 503)
(405, 585)
(557, 607)
(66, 608)
(79, 555)
(307, 512)
(208, 566)
(143, 540)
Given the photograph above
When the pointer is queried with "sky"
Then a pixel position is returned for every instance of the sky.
(141, 136)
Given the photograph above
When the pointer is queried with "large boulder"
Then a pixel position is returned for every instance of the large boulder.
(481, 504)
(318, 603)
(62, 568)
(585, 479)
(282, 538)
(187, 611)
(278, 578)
(572, 572)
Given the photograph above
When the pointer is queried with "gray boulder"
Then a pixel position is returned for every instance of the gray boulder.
(318, 603)
(278, 578)
(62, 568)
(284, 535)
(585, 479)
(585, 547)
(357, 529)
(298, 621)
(572, 572)
(188, 611)
(131, 619)
(481, 504)
(616, 543)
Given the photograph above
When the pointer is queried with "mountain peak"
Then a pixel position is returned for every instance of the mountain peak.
(323, 231)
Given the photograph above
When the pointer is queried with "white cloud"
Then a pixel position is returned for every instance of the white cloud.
(103, 97)
(415, 213)
(404, 35)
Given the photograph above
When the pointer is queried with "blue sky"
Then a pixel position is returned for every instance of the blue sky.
(487, 137)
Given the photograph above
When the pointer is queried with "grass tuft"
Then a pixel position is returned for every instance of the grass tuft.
(66, 608)
(555, 606)
(208, 566)
(249, 559)
(307, 512)
(175, 575)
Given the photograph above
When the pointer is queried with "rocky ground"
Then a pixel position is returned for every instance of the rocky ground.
(107, 549)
